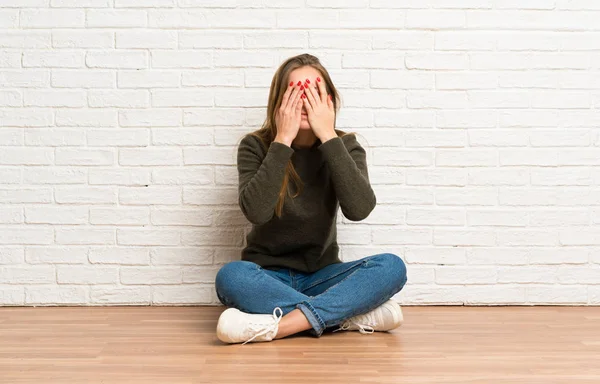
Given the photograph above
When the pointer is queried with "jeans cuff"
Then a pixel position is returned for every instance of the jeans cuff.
(313, 317)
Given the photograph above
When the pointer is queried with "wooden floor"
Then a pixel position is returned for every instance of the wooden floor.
(178, 345)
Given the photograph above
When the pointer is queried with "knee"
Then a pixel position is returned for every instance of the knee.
(231, 276)
(395, 267)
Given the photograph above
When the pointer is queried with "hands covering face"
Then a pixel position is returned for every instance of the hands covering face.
(319, 107)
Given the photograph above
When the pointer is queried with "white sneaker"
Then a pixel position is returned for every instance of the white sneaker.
(383, 318)
(235, 326)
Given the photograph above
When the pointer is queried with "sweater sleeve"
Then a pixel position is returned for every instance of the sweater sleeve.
(260, 177)
(348, 165)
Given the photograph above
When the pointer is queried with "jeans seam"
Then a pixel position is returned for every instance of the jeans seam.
(334, 276)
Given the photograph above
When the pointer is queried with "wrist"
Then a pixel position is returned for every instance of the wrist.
(328, 136)
(283, 141)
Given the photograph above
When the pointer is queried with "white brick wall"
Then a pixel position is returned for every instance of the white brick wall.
(119, 121)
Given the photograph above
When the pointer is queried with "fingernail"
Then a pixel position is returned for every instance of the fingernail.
(299, 83)
(318, 79)
(303, 96)
(302, 87)
(291, 83)
(308, 81)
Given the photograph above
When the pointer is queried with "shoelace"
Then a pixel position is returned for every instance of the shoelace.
(269, 328)
(364, 325)
(362, 328)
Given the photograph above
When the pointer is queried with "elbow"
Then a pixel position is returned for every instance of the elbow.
(362, 211)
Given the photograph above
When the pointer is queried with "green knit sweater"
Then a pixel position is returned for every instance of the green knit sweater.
(334, 174)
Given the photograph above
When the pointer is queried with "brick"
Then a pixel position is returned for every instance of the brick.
(439, 177)
(150, 156)
(84, 195)
(82, 79)
(464, 237)
(213, 236)
(145, 237)
(435, 216)
(186, 294)
(120, 138)
(12, 255)
(53, 59)
(26, 156)
(117, 18)
(86, 275)
(182, 256)
(56, 98)
(82, 236)
(56, 215)
(38, 274)
(497, 218)
(26, 195)
(144, 195)
(26, 117)
(435, 19)
(164, 117)
(83, 39)
(556, 294)
(499, 294)
(184, 176)
(465, 275)
(119, 216)
(222, 39)
(181, 59)
(86, 117)
(346, 40)
(121, 59)
(25, 39)
(401, 235)
(206, 156)
(120, 176)
(52, 18)
(182, 137)
(121, 295)
(435, 255)
(12, 295)
(177, 217)
(56, 255)
(210, 196)
(81, 156)
(181, 98)
(55, 294)
(468, 196)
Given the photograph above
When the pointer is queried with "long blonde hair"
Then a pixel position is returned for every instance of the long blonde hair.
(268, 131)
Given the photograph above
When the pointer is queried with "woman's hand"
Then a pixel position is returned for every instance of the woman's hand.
(288, 117)
(321, 114)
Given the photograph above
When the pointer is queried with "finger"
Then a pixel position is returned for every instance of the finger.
(309, 108)
(329, 102)
(286, 95)
(294, 90)
(311, 96)
(322, 89)
(298, 107)
(296, 96)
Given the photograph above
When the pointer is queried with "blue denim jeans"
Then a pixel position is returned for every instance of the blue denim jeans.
(327, 297)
